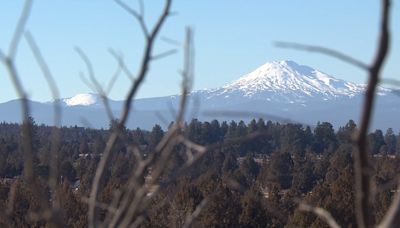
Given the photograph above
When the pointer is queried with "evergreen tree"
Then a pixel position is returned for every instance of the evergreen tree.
(390, 141)
(376, 140)
(325, 138)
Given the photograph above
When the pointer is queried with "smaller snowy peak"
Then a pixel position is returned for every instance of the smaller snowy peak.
(83, 99)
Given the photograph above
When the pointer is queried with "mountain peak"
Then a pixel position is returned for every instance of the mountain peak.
(291, 80)
(84, 99)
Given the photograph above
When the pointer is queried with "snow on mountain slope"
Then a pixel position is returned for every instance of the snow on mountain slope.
(282, 89)
(84, 99)
(288, 81)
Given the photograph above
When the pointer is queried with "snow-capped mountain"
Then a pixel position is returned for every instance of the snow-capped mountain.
(84, 99)
(279, 90)
(287, 78)
(288, 82)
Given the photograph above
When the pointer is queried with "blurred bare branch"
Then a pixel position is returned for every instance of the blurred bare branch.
(103, 206)
(141, 8)
(138, 16)
(113, 80)
(51, 215)
(56, 134)
(136, 197)
(164, 54)
(362, 164)
(325, 51)
(392, 218)
(390, 81)
(122, 64)
(321, 213)
(143, 69)
(89, 67)
(19, 30)
(98, 88)
(8, 61)
(161, 118)
(171, 41)
(46, 72)
(166, 146)
(86, 81)
(16, 81)
(190, 219)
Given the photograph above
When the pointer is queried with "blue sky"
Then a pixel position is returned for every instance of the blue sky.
(232, 37)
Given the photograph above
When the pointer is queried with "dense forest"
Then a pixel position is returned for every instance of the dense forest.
(253, 174)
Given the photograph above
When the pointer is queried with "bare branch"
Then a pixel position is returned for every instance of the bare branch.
(56, 135)
(325, 51)
(136, 199)
(190, 219)
(45, 70)
(26, 136)
(136, 15)
(134, 189)
(11, 198)
(161, 118)
(187, 74)
(89, 67)
(106, 103)
(391, 81)
(143, 69)
(392, 218)
(362, 163)
(191, 145)
(86, 81)
(26, 132)
(321, 213)
(113, 80)
(103, 206)
(164, 54)
(171, 41)
(98, 88)
(141, 8)
(122, 64)
(20, 29)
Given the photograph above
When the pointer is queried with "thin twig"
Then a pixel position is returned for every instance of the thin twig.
(171, 41)
(321, 213)
(89, 67)
(113, 80)
(138, 16)
(56, 134)
(86, 81)
(19, 29)
(164, 54)
(323, 50)
(98, 88)
(190, 219)
(122, 64)
(141, 8)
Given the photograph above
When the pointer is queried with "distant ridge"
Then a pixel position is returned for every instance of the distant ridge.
(280, 89)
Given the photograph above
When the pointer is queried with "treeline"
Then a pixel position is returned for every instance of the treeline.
(252, 175)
